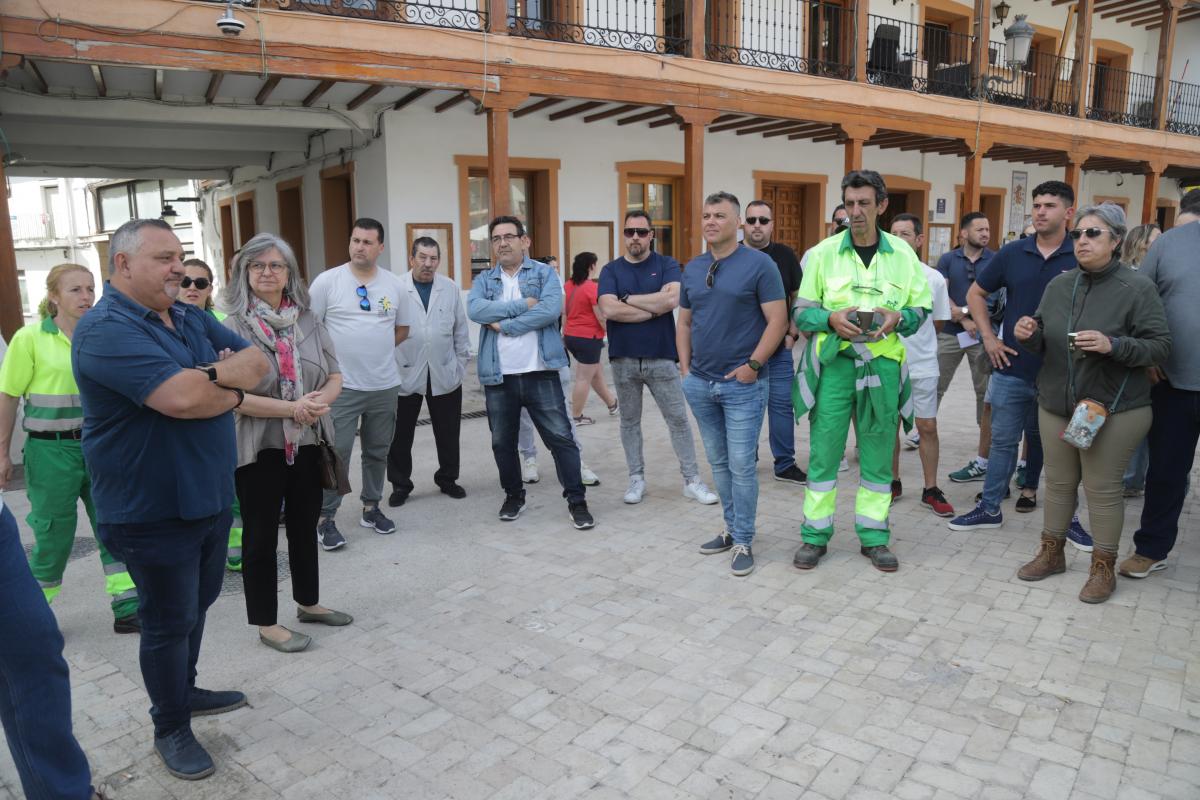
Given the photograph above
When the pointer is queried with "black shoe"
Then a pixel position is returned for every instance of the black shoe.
(1025, 504)
(808, 555)
(1007, 494)
(454, 490)
(897, 490)
(792, 474)
(183, 755)
(881, 558)
(718, 545)
(205, 702)
(581, 518)
(511, 509)
(127, 624)
(397, 498)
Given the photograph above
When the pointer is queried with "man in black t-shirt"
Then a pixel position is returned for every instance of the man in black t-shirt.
(758, 230)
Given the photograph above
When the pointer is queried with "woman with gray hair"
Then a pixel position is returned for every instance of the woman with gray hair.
(1097, 329)
(279, 426)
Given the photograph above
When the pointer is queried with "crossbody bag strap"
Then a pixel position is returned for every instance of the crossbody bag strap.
(1112, 409)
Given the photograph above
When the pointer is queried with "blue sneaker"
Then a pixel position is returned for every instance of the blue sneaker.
(976, 519)
(1077, 536)
(743, 560)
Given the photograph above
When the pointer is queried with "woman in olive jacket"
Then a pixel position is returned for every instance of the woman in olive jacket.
(1097, 329)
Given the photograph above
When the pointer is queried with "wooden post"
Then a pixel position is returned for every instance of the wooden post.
(694, 122)
(498, 107)
(979, 59)
(1081, 80)
(1166, 43)
(973, 176)
(1154, 170)
(1073, 174)
(497, 16)
(856, 137)
(697, 37)
(862, 21)
(12, 316)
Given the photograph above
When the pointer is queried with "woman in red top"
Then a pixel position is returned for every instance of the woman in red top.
(583, 336)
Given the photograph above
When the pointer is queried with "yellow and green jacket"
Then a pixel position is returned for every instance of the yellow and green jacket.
(37, 366)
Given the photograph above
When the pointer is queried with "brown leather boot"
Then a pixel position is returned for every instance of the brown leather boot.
(1048, 561)
(1102, 579)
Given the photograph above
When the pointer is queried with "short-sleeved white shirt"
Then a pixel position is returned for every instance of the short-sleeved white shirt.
(365, 340)
(518, 354)
(922, 345)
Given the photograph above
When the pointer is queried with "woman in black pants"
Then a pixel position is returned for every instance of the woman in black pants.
(278, 428)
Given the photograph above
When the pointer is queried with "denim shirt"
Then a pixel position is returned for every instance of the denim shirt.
(485, 306)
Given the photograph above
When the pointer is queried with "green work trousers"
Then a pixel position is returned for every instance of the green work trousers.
(56, 480)
(829, 422)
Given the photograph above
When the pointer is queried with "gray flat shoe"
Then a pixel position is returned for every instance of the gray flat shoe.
(333, 618)
(296, 643)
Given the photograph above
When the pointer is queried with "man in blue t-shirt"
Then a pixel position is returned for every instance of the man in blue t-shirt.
(158, 380)
(1023, 267)
(732, 316)
(638, 294)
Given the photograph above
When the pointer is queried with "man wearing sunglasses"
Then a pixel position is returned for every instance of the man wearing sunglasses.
(732, 316)
(365, 310)
(638, 294)
(861, 288)
(758, 230)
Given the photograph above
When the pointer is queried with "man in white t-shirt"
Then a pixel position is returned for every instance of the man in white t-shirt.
(363, 308)
(923, 374)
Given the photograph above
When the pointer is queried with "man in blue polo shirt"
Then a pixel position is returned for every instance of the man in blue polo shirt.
(1024, 267)
(158, 380)
(638, 294)
(732, 316)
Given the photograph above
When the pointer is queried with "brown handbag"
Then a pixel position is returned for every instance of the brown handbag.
(334, 474)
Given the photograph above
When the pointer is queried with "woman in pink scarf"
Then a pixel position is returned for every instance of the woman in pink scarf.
(278, 428)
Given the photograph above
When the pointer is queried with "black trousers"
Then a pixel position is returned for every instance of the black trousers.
(445, 413)
(1173, 437)
(261, 487)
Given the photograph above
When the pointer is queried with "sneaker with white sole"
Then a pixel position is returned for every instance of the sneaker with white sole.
(718, 545)
(743, 560)
(912, 441)
(1139, 566)
(587, 476)
(636, 490)
(1078, 537)
(529, 470)
(329, 536)
(971, 472)
(696, 490)
(976, 519)
(579, 515)
(373, 518)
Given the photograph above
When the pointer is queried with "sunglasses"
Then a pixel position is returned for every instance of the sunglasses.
(199, 283)
(363, 302)
(758, 220)
(641, 233)
(712, 274)
(1091, 233)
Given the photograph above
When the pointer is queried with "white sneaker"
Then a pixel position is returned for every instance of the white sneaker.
(912, 441)
(844, 466)
(696, 490)
(529, 472)
(589, 477)
(636, 490)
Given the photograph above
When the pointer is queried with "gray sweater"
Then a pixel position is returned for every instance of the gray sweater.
(1173, 264)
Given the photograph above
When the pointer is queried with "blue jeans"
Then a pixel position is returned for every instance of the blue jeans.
(540, 393)
(1135, 472)
(177, 565)
(1014, 410)
(730, 415)
(35, 690)
(1173, 437)
(781, 422)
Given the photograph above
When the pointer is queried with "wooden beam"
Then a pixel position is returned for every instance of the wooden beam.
(799, 128)
(317, 93)
(98, 79)
(576, 109)
(12, 316)
(32, 70)
(610, 112)
(411, 97)
(1121, 8)
(159, 79)
(862, 10)
(1162, 71)
(973, 176)
(1073, 172)
(856, 136)
(1081, 78)
(979, 49)
(729, 126)
(264, 93)
(662, 123)
(497, 161)
(812, 133)
(1135, 10)
(651, 114)
(538, 106)
(214, 86)
(695, 15)
(694, 122)
(365, 95)
(497, 16)
(452, 102)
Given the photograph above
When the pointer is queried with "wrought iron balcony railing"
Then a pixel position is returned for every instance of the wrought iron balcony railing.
(805, 36)
(648, 26)
(930, 59)
(1126, 98)
(1043, 84)
(468, 15)
(1183, 108)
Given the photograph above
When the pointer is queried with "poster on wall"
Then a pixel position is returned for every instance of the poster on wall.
(1016, 210)
(939, 241)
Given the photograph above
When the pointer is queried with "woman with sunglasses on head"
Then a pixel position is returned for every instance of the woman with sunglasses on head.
(279, 426)
(583, 336)
(1097, 329)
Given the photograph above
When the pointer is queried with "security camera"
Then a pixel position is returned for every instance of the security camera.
(230, 25)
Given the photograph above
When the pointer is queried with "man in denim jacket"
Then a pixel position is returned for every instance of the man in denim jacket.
(517, 303)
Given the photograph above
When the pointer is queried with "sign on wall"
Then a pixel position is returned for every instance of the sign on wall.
(1016, 209)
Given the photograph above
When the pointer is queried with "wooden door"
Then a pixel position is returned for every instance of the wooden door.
(788, 201)
(291, 220)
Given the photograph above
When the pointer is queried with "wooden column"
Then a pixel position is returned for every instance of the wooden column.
(1082, 79)
(1154, 170)
(694, 122)
(856, 137)
(498, 107)
(697, 36)
(862, 10)
(1073, 174)
(497, 16)
(1166, 44)
(12, 316)
(979, 58)
(973, 175)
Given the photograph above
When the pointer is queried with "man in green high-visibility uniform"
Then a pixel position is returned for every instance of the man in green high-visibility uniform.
(860, 289)
(37, 367)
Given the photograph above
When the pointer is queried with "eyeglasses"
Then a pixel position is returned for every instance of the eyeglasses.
(199, 283)
(758, 220)
(363, 302)
(641, 233)
(274, 266)
(712, 274)
(506, 238)
(1091, 233)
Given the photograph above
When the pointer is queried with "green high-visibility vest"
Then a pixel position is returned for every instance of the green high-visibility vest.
(37, 367)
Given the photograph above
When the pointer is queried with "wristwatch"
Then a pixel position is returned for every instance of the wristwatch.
(966, 310)
(754, 365)
(209, 370)
(625, 298)
(241, 396)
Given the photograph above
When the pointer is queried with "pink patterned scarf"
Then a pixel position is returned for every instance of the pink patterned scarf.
(276, 328)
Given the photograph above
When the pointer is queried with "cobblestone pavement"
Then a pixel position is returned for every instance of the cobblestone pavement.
(529, 660)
